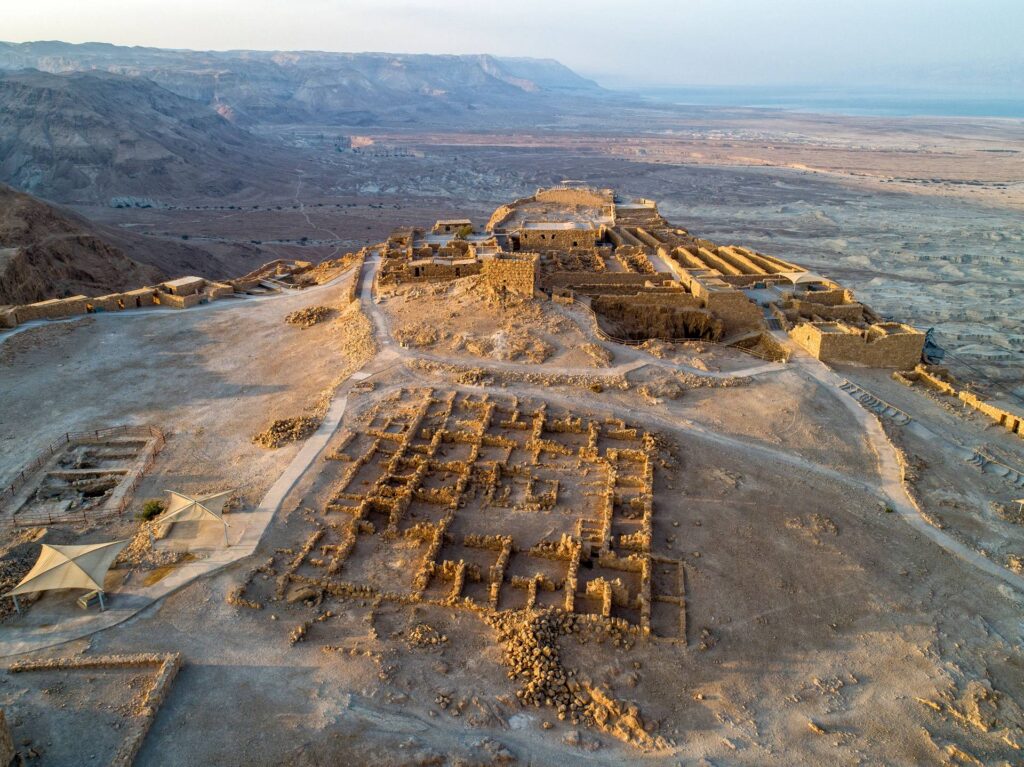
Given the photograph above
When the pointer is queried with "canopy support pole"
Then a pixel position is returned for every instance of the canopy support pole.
(226, 543)
(102, 606)
(17, 607)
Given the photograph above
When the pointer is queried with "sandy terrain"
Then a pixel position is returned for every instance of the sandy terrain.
(458, 321)
(882, 205)
(210, 378)
(820, 627)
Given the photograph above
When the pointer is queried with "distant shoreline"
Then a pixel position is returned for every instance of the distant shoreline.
(852, 103)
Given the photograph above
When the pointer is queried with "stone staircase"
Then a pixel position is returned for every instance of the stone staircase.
(990, 465)
(879, 407)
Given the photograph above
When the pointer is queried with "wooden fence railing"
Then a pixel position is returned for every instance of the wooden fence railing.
(9, 491)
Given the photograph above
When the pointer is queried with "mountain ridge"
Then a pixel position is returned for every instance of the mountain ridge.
(251, 86)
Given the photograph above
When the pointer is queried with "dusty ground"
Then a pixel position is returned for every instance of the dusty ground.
(460, 321)
(820, 628)
(974, 505)
(210, 378)
(920, 217)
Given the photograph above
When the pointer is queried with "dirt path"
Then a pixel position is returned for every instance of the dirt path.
(891, 490)
(892, 486)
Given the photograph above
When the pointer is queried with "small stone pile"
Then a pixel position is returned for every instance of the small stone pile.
(416, 334)
(311, 315)
(425, 635)
(285, 430)
(139, 554)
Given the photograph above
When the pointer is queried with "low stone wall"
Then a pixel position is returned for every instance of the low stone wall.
(180, 302)
(62, 308)
(1012, 422)
(53, 309)
(848, 312)
(573, 279)
(167, 667)
(938, 378)
(218, 290)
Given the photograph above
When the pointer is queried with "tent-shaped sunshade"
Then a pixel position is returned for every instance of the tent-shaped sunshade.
(798, 278)
(182, 508)
(70, 567)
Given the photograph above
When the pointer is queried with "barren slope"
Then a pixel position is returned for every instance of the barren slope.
(93, 137)
(46, 252)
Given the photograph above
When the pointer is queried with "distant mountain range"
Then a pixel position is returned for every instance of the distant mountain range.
(84, 137)
(313, 87)
(101, 124)
(92, 123)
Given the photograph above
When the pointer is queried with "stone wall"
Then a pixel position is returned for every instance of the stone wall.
(572, 279)
(180, 302)
(154, 694)
(735, 310)
(848, 312)
(590, 198)
(1012, 422)
(832, 297)
(516, 275)
(427, 271)
(888, 345)
(643, 315)
(557, 239)
(53, 309)
(939, 379)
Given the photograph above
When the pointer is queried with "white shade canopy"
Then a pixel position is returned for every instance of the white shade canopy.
(182, 508)
(70, 567)
(798, 278)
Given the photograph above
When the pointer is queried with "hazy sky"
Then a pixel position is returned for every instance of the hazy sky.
(714, 42)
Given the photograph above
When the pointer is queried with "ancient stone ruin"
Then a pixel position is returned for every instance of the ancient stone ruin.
(644, 278)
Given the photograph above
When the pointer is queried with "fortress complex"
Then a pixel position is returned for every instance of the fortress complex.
(646, 278)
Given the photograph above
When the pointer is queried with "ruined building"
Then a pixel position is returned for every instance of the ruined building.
(646, 278)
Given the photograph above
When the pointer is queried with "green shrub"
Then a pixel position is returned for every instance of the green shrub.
(151, 508)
